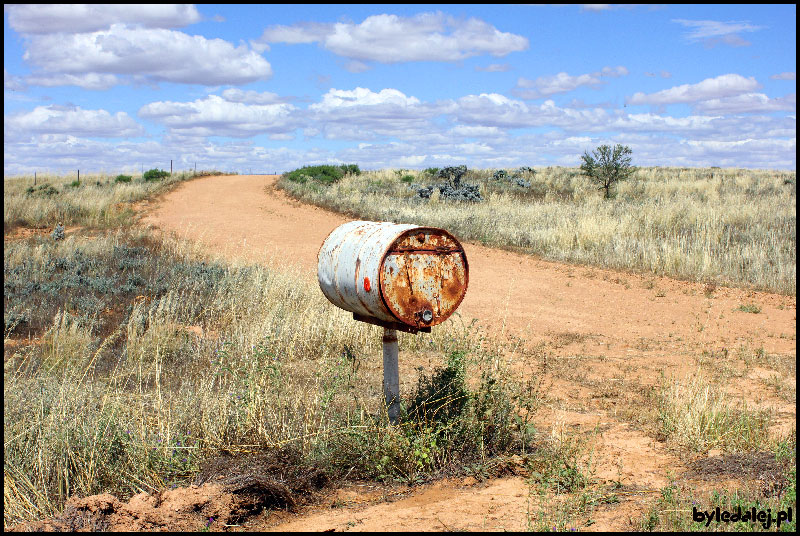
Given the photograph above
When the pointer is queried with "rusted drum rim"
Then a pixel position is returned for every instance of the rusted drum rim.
(400, 237)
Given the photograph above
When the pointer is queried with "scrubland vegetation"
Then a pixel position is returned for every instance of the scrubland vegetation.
(96, 200)
(723, 226)
(131, 360)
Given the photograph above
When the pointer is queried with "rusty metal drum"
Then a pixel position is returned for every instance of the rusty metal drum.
(399, 274)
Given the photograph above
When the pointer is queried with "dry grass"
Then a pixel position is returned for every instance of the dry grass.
(96, 201)
(199, 358)
(695, 414)
(721, 226)
(170, 358)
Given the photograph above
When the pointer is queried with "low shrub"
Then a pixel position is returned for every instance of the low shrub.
(325, 174)
(123, 178)
(45, 190)
(155, 175)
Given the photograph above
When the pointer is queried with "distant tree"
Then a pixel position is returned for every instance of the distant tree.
(606, 166)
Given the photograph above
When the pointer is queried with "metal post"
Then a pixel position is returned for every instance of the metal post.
(391, 374)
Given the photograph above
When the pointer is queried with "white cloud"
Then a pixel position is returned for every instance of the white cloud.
(392, 38)
(492, 110)
(336, 99)
(153, 55)
(361, 112)
(747, 103)
(494, 68)
(77, 18)
(726, 85)
(761, 153)
(301, 33)
(355, 66)
(496, 110)
(544, 86)
(217, 116)
(252, 97)
(784, 76)
(476, 131)
(711, 32)
(92, 81)
(547, 148)
(607, 7)
(66, 153)
(11, 82)
(74, 121)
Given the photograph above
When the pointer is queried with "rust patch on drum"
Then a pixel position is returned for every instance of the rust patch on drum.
(424, 277)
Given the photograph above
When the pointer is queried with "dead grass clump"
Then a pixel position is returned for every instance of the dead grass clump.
(696, 415)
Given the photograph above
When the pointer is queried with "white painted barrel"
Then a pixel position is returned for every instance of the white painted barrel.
(396, 273)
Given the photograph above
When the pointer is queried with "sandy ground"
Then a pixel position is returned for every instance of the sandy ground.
(606, 334)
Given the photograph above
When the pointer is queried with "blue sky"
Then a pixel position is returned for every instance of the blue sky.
(271, 88)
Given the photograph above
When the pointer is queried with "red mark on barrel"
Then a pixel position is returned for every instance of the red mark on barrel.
(367, 286)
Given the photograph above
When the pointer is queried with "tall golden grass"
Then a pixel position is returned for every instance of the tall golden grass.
(726, 226)
(230, 357)
(97, 200)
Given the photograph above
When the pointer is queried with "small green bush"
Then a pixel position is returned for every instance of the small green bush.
(123, 178)
(350, 169)
(407, 178)
(749, 308)
(155, 174)
(44, 190)
(440, 397)
(325, 174)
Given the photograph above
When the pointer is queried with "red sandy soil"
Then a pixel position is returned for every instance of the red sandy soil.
(605, 334)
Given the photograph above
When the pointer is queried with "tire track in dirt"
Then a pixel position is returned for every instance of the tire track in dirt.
(617, 326)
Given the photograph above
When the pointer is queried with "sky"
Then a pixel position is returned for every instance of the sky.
(270, 88)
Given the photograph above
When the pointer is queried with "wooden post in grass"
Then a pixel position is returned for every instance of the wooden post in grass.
(170, 167)
(34, 178)
(391, 374)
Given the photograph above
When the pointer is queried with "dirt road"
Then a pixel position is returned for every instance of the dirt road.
(602, 328)
(245, 216)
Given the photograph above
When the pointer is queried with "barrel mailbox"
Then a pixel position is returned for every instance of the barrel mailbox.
(399, 276)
